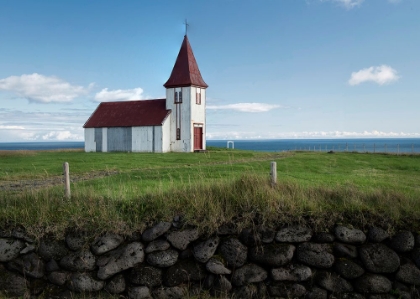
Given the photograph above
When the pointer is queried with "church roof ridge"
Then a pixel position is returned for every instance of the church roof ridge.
(185, 71)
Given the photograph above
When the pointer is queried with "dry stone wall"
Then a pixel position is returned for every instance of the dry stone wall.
(166, 261)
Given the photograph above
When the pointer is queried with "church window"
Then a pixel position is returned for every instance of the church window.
(198, 96)
(178, 96)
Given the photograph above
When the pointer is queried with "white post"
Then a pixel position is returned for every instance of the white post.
(66, 170)
(273, 173)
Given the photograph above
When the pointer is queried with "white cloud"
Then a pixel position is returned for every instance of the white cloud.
(245, 107)
(349, 4)
(106, 95)
(42, 89)
(60, 136)
(380, 74)
(11, 127)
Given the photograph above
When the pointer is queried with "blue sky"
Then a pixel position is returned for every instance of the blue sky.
(275, 68)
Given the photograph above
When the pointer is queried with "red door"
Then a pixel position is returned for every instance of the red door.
(198, 138)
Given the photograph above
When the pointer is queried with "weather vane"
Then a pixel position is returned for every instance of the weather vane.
(186, 26)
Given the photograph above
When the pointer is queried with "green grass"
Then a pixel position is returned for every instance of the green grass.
(126, 191)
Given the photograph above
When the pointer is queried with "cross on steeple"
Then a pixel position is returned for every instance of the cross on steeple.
(186, 26)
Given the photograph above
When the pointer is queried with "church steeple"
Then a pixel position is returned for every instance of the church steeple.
(185, 71)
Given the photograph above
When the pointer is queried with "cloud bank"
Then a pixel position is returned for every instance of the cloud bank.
(42, 89)
(106, 95)
(245, 107)
(380, 74)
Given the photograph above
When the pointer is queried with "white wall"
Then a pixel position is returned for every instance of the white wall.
(142, 139)
(185, 144)
(90, 145)
(166, 134)
(198, 114)
(104, 140)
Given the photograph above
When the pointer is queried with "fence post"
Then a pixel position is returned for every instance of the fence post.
(273, 173)
(66, 170)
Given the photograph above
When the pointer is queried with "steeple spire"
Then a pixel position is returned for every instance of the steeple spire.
(185, 71)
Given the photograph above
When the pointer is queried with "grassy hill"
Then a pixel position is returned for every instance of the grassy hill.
(126, 191)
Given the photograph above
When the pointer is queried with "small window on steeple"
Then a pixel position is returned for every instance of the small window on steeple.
(198, 96)
(178, 95)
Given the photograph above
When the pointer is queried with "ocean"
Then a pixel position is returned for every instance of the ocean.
(378, 145)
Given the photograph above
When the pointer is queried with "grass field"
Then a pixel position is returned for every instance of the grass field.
(126, 191)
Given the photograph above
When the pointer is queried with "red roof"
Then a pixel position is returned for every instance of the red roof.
(129, 114)
(185, 71)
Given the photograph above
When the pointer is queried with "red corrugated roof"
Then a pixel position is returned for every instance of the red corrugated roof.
(185, 71)
(129, 114)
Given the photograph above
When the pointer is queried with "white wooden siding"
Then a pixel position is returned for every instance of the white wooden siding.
(166, 135)
(90, 145)
(142, 139)
(198, 114)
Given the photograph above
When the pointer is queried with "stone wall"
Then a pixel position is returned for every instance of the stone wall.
(168, 262)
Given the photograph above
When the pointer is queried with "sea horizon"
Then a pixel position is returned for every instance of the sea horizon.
(376, 144)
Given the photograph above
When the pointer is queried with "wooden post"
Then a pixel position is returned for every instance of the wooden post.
(66, 170)
(273, 173)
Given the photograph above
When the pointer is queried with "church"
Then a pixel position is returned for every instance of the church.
(174, 124)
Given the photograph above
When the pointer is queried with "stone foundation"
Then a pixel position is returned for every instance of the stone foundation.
(168, 262)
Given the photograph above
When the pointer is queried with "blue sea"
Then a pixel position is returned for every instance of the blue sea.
(377, 145)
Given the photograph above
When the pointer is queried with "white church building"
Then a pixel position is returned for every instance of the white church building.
(177, 123)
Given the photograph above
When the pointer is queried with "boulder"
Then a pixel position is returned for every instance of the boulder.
(52, 249)
(249, 273)
(83, 260)
(10, 249)
(248, 291)
(58, 277)
(146, 275)
(378, 258)
(157, 245)
(286, 290)
(156, 231)
(83, 282)
(221, 286)
(28, 248)
(316, 255)
(348, 269)
(372, 283)
(184, 271)
(402, 241)
(377, 234)
(332, 282)
(294, 273)
(169, 293)
(52, 266)
(409, 274)
(345, 250)
(11, 284)
(348, 235)
(203, 251)
(294, 234)
(181, 239)
(273, 255)
(162, 259)
(116, 285)
(30, 265)
(215, 266)
(139, 293)
(323, 237)
(120, 259)
(106, 243)
(251, 237)
(316, 293)
(234, 252)
(75, 241)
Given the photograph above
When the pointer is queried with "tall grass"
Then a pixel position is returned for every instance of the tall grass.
(248, 201)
